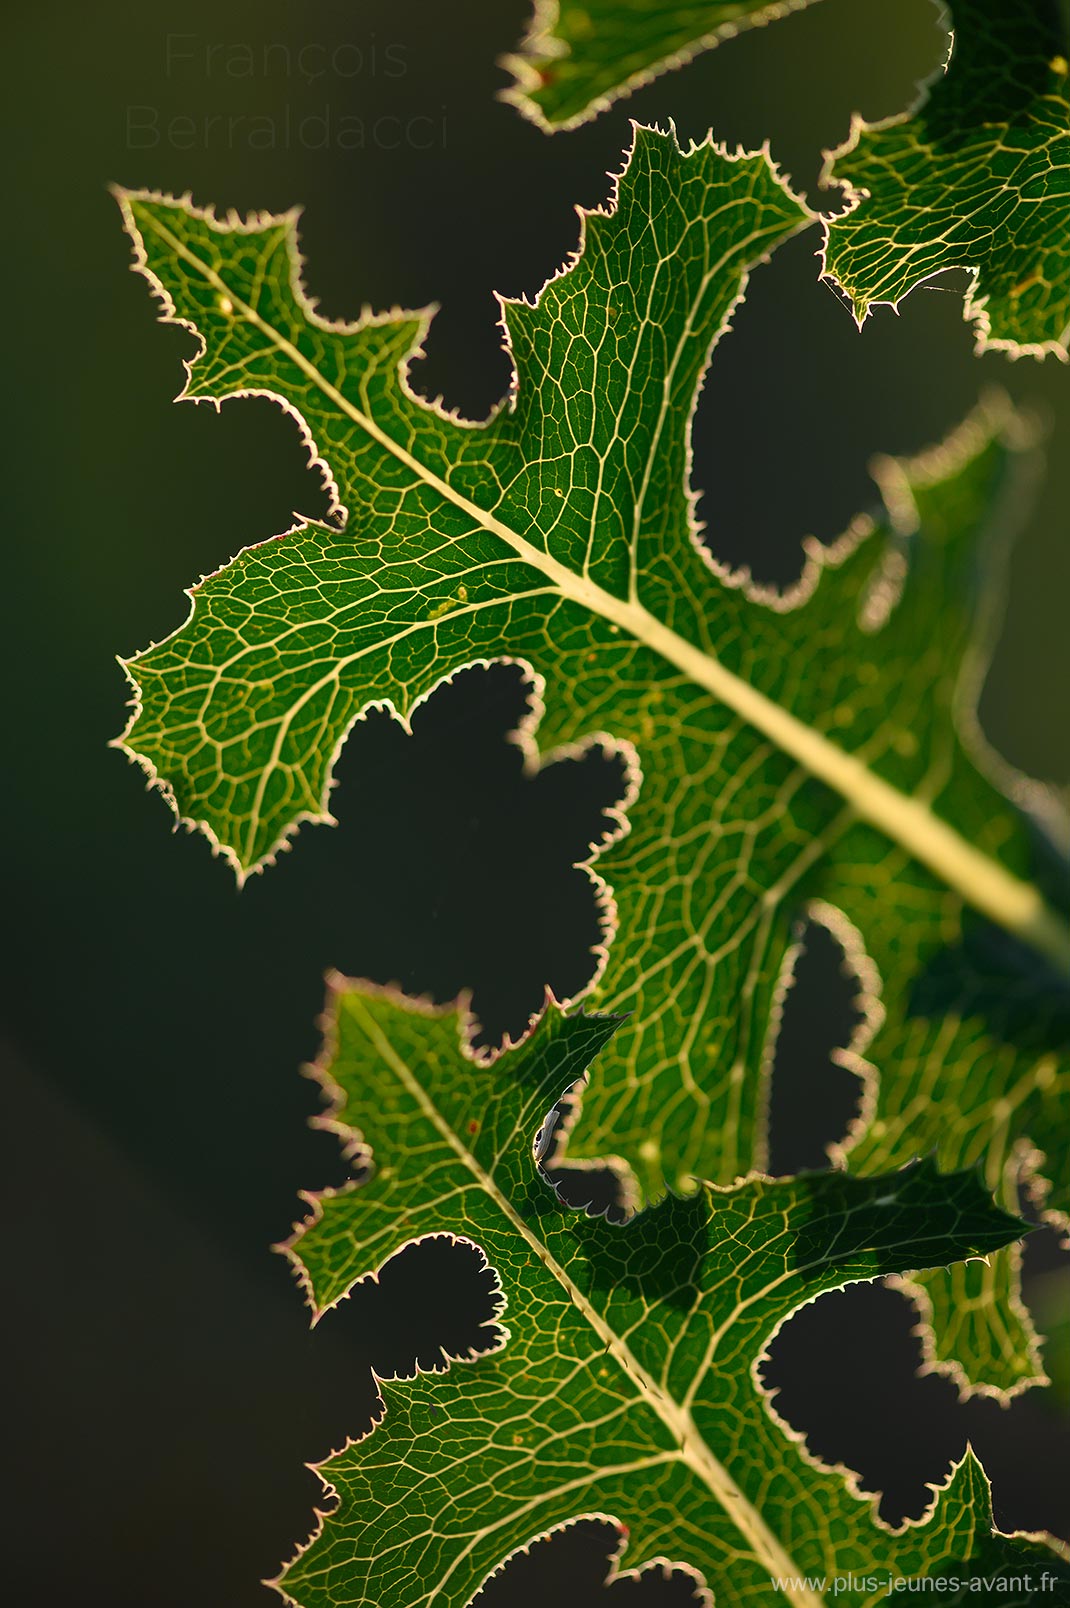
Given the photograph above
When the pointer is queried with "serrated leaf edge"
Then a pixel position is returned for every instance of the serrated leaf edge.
(693, 1449)
(652, 1393)
(539, 41)
(355, 1150)
(1023, 1172)
(676, 1417)
(232, 222)
(975, 303)
(982, 882)
(703, 1595)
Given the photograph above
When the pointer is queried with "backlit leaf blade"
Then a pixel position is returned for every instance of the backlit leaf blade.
(789, 753)
(973, 177)
(481, 531)
(624, 1381)
(576, 60)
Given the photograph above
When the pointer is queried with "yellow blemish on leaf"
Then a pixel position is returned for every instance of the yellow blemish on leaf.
(1035, 278)
(578, 23)
(448, 604)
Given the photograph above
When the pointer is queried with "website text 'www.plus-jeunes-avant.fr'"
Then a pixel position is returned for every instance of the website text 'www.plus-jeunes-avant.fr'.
(978, 1586)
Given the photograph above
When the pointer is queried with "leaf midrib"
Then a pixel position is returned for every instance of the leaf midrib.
(693, 1450)
(980, 880)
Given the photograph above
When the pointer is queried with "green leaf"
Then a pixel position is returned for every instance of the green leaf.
(456, 535)
(792, 758)
(576, 60)
(974, 177)
(622, 1378)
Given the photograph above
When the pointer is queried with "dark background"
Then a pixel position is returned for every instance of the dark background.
(164, 1391)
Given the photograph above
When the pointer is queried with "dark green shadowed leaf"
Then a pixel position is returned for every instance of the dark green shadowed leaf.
(625, 1380)
(814, 752)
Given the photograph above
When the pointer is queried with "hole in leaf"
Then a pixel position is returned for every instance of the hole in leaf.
(842, 1372)
(458, 865)
(435, 1302)
(577, 1564)
(444, 374)
(1019, 1445)
(767, 414)
(813, 1095)
(597, 1188)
